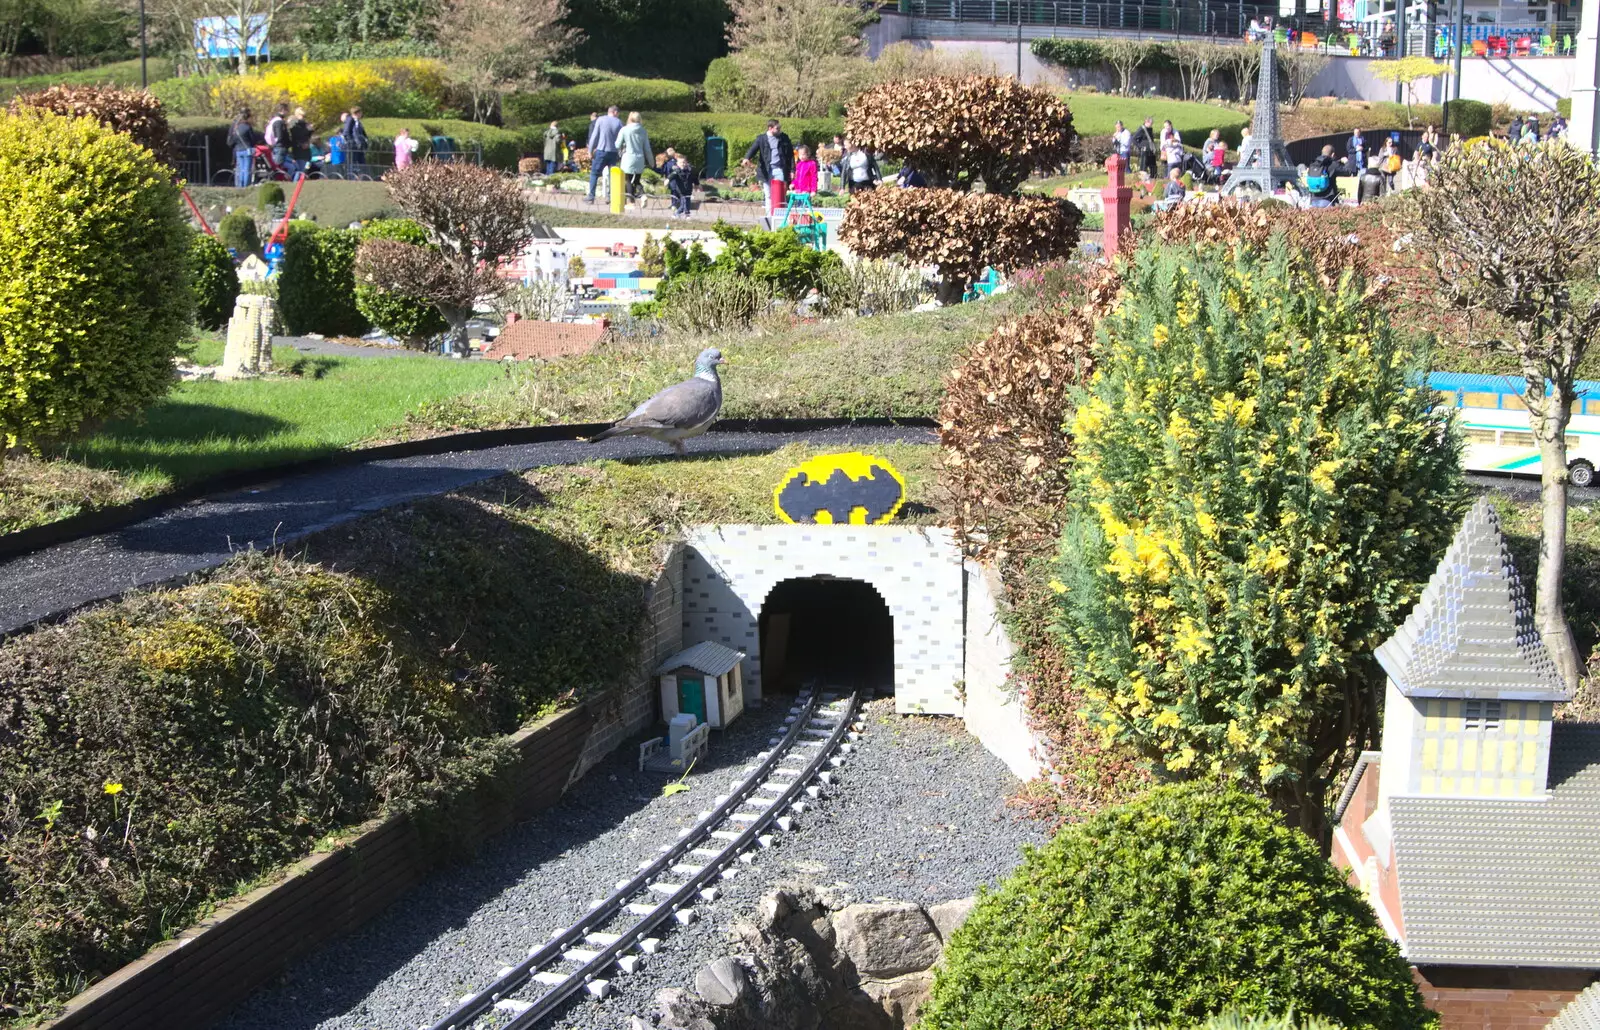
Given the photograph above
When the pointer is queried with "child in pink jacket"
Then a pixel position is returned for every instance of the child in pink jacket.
(805, 171)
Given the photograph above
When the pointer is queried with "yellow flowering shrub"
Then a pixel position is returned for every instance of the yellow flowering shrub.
(1260, 489)
(402, 87)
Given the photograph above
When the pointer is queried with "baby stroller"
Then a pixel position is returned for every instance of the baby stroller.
(266, 167)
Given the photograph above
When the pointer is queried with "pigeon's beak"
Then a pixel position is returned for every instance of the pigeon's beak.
(722, 361)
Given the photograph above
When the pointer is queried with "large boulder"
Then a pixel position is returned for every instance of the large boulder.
(948, 916)
(887, 939)
(722, 982)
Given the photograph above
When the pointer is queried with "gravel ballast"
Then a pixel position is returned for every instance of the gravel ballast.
(918, 814)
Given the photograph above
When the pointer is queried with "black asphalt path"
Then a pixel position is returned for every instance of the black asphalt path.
(205, 533)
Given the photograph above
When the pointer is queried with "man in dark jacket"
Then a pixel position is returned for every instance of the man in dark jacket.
(1145, 146)
(277, 136)
(355, 141)
(300, 139)
(1370, 186)
(1356, 153)
(773, 154)
(1322, 180)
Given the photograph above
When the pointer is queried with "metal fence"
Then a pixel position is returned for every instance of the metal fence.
(202, 162)
(1035, 18)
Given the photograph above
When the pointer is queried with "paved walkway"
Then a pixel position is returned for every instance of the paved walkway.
(207, 532)
(331, 349)
(656, 209)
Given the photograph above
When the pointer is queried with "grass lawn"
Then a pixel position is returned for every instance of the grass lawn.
(598, 217)
(1096, 114)
(888, 365)
(207, 427)
(331, 202)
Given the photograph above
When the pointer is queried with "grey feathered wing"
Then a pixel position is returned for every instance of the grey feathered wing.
(678, 409)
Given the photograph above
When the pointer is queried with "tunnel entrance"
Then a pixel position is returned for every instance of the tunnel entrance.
(835, 632)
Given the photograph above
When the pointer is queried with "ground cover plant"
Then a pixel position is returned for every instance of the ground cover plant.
(1185, 903)
(164, 749)
(1260, 489)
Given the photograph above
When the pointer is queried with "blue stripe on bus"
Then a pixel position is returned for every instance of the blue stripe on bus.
(1520, 463)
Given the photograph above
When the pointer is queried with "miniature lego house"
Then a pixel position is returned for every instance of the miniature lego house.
(704, 681)
(1475, 831)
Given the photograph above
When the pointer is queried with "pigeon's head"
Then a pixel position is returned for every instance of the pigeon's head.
(708, 361)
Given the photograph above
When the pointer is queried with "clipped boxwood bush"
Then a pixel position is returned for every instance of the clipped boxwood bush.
(269, 193)
(1469, 118)
(1069, 53)
(408, 319)
(238, 233)
(1185, 903)
(317, 285)
(212, 280)
(94, 298)
(724, 85)
(541, 108)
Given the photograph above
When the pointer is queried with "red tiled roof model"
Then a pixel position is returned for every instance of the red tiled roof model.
(526, 339)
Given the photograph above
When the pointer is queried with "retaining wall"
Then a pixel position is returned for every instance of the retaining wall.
(994, 710)
(192, 981)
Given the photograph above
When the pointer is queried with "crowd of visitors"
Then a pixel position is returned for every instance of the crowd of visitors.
(288, 146)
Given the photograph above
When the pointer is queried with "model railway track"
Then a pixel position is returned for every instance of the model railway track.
(582, 957)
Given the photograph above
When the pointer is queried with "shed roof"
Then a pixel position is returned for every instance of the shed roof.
(1507, 882)
(1581, 1013)
(1480, 382)
(708, 657)
(1471, 634)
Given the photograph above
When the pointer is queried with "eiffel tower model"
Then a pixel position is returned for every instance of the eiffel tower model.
(1263, 163)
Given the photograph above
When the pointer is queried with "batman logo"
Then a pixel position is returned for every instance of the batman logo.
(840, 489)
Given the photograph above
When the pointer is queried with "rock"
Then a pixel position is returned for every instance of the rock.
(774, 908)
(722, 982)
(681, 1010)
(635, 1023)
(948, 915)
(902, 998)
(888, 939)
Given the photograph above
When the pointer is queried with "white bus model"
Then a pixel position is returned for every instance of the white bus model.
(1494, 424)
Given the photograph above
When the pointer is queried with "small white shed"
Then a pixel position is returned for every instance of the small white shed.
(705, 681)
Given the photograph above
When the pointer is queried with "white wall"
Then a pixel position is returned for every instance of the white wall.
(1526, 83)
(729, 570)
(994, 710)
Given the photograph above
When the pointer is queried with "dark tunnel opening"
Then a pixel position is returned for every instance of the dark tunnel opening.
(828, 633)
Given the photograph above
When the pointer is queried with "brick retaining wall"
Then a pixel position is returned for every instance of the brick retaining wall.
(192, 981)
(1494, 998)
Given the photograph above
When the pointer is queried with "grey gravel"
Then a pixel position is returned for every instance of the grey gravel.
(918, 814)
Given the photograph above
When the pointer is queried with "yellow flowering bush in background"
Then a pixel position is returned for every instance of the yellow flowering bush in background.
(397, 87)
(1260, 490)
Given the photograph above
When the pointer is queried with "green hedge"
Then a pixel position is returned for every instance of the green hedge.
(1069, 53)
(501, 147)
(1470, 118)
(1564, 107)
(687, 132)
(238, 233)
(1187, 902)
(317, 285)
(523, 110)
(212, 280)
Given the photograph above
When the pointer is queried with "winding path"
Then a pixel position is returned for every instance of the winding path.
(207, 532)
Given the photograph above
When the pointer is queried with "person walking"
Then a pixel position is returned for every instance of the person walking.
(805, 171)
(242, 137)
(404, 149)
(1121, 141)
(300, 132)
(633, 146)
(860, 169)
(276, 137)
(552, 148)
(681, 181)
(603, 132)
(355, 141)
(1145, 144)
(773, 154)
(1390, 161)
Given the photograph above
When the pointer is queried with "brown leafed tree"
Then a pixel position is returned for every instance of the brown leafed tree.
(1516, 231)
(493, 46)
(131, 111)
(474, 216)
(959, 133)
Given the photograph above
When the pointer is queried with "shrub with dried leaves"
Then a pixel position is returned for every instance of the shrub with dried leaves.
(131, 111)
(962, 233)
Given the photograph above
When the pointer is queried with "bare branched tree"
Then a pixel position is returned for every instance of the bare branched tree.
(1299, 68)
(1516, 232)
(797, 53)
(495, 45)
(1125, 56)
(474, 216)
(1196, 59)
(236, 24)
(1245, 62)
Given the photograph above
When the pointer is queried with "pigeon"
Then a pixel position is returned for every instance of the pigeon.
(682, 410)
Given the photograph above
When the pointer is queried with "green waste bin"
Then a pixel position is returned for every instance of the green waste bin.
(716, 158)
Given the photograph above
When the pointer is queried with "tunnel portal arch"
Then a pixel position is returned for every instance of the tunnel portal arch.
(730, 571)
(824, 631)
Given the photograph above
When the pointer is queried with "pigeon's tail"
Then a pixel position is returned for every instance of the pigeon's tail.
(606, 434)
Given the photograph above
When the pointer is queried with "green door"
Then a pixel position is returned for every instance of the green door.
(692, 697)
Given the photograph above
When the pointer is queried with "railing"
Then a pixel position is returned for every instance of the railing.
(196, 163)
(1084, 18)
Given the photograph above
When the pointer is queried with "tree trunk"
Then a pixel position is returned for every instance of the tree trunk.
(1551, 430)
(455, 337)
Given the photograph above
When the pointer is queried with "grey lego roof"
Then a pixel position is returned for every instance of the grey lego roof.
(1581, 1013)
(1511, 882)
(707, 657)
(1471, 634)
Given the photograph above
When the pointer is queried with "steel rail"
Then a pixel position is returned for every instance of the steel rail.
(612, 906)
